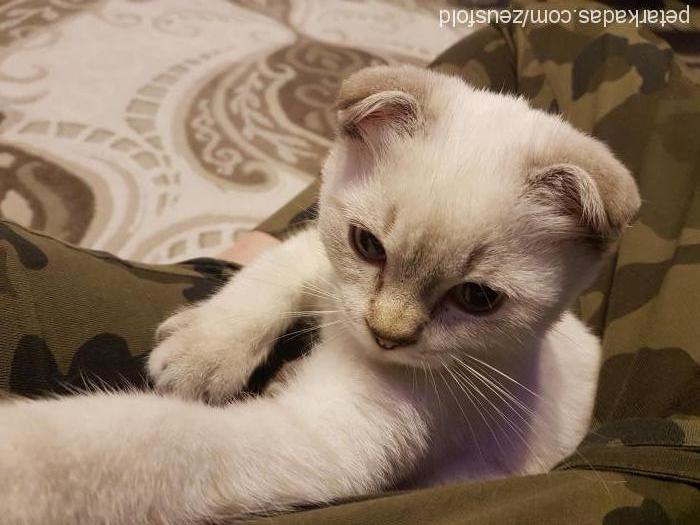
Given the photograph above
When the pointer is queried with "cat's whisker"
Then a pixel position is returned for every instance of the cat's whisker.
(518, 407)
(503, 374)
(518, 431)
(473, 399)
(327, 281)
(321, 291)
(461, 409)
(425, 372)
(598, 476)
(324, 295)
(435, 388)
(532, 430)
(320, 296)
(512, 402)
(308, 313)
(313, 208)
(309, 288)
(490, 402)
(494, 384)
(239, 317)
(322, 278)
(302, 331)
(413, 381)
(343, 330)
(576, 344)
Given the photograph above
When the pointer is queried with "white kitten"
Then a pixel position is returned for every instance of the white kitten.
(455, 228)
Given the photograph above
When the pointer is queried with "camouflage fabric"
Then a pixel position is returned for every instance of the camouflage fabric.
(641, 462)
(72, 317)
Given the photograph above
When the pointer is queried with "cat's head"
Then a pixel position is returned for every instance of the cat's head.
(461, 220)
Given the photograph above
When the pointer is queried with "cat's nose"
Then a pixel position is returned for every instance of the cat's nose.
(390, 341)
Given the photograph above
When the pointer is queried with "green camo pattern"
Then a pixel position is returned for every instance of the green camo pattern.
(73, 318)
(70, 316)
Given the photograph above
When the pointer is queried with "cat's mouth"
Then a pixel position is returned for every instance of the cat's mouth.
(386, 344)
(406, 353)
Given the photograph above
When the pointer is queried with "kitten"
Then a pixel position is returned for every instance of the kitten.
(456, 227)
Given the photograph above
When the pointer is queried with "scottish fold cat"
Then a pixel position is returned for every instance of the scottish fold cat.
(455, 229)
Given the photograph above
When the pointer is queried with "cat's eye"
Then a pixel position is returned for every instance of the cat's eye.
(476, 298)
(367, 245)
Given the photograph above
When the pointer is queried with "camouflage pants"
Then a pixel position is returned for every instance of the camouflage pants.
(67, 314)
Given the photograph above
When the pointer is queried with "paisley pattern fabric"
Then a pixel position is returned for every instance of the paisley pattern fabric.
(160, 130)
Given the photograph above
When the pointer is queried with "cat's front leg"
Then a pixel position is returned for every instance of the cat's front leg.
(336, 431)
(210, 350)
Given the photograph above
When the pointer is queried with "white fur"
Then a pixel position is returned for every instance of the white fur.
(352, 418)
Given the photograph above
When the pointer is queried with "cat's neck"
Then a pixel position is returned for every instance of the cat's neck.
(480, 409)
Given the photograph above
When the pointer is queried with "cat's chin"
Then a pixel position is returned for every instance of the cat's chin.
(415, 358)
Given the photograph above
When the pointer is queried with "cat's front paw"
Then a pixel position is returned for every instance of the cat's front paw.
(201, 355)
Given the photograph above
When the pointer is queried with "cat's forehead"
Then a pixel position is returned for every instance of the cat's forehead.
(429, 229)
(444, 191)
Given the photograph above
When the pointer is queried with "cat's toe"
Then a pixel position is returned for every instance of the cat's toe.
(165, 367)
(224, 386)
(175, 322)
(159, 359)
(180, 367)
(171, 377)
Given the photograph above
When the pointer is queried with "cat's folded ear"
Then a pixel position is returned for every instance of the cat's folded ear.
(582, 179)
(379, 104)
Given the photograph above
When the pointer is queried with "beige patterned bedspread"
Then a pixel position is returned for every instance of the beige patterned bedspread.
(160, 130)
